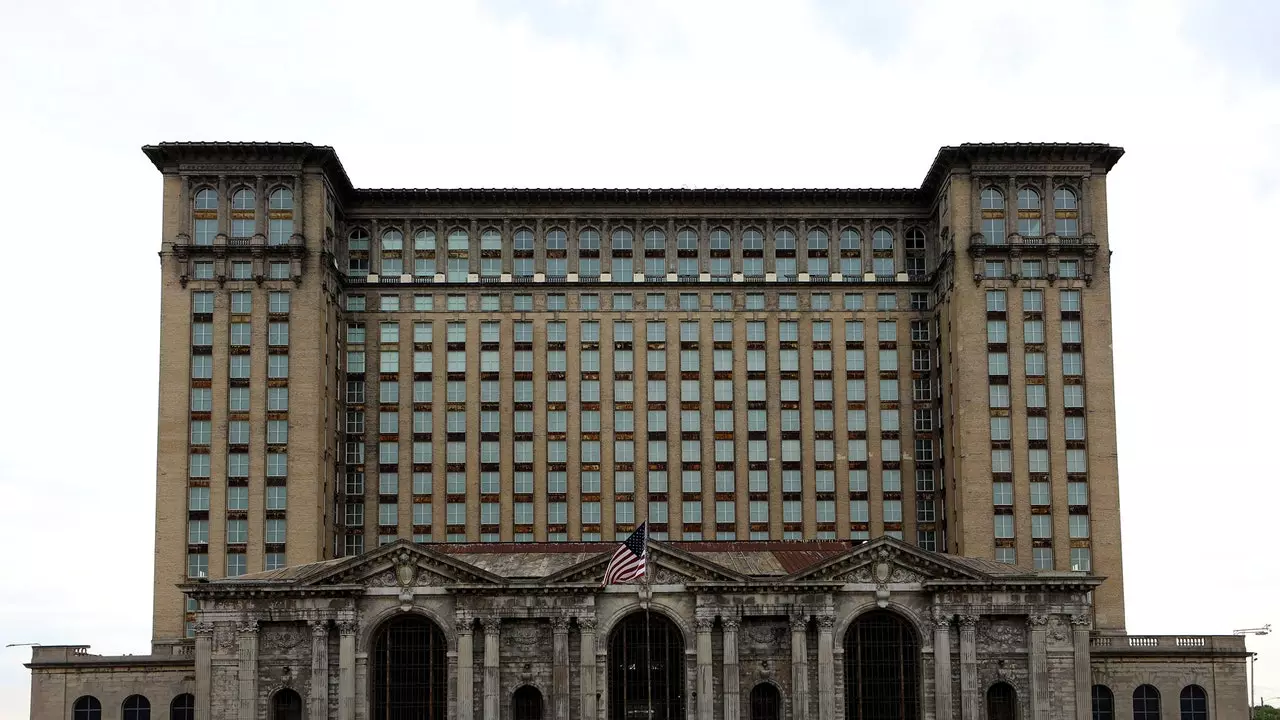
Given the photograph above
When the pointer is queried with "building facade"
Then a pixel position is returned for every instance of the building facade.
(529, 371)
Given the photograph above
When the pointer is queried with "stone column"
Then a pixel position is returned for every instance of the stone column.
(587, 667)
(560, 668)
(969, 694)
(466, 681)
(706, 681)
(1038, 665)
(492, 692)
(204, 669)
(826, 668)
(346, 670)
(799, 667)
(1080, 624)
(942, 665)
(730, 684)
(319, 698)
(248, 671)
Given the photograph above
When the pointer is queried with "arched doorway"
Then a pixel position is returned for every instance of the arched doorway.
(766, 702)
(646, 669)
(1002, 702)
(881, 668)
(410, 672)
(286, 704)
(526, 703)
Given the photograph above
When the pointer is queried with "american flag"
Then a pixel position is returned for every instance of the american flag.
(629, 561)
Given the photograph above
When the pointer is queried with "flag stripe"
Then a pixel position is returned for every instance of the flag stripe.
(630, 560)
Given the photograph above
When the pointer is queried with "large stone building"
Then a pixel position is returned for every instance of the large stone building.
(872, 432)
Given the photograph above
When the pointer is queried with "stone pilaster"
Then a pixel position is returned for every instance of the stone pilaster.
(800, 667)
(706, 681)
(466, 679)
(492, 690)
(248, 671)
(204, 669)
(319, 697)
(587, 666)
(560, 668)
(970, 695)
(346, 670)
(826, 668)
(730, 683)
(1080, 625)
(1038, 664)
(942, 666)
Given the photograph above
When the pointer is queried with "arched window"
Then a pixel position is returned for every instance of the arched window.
(992, 199)
(1029, 212)
(556, 239)
(752, 239)
(183, 707)
(720, 239)
(784, 239)
(280, 199)
(424, 240)
(286, 704)
(206, 216)
(1104, 703)
(655, 239)
(392, 261)
(621, 239)
(136, 707)
(882, 239)
(1146, 703)
(1193, 703)
(993, 216)
(490, 239)
(523, 239)
(1002, 702)
(410, 672)
(358, 239)
(687, 239)
(850, 239)
(646, 668)
(243, 213)
(915, 240)
(458, 265)
(766, 702)
(393, 240)
(817, 239)
(881, 668)
(459, 240)
(86, 707)
(1066, 213)
(526, 703)
(589, 240)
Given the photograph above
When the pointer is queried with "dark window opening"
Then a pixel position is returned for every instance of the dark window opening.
(646, 669)
(766, 702)
(881, 668)
(183, 707)
(86, 707)
(136, 707)
(1104, 703)
(409, 670)
(1001, 702)
(1146, 703)
(286, 705)
(526, 704)
(1193, 703)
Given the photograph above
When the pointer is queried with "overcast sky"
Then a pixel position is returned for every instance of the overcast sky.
(628, 93)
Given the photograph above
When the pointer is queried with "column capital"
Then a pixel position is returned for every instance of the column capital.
(730, 623)
(941, 619)
(347, 627)
(968, 622)
(799, 623)
(319, 628)
(462, 624)
(587, 624)
(826, 623)
(248, 628)
(703, 624)
(491, 624)
(1081, 621)
(560, 624)
(203, 629)
(1038, 621)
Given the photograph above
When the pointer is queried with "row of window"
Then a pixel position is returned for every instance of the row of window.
(1066, 269)
(244, 218)
(1066, 215)
(522, 239)
(1193, 703)
(240, 270)
(134, 707)
(592, 302)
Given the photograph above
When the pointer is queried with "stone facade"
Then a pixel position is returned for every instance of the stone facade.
(536, 616)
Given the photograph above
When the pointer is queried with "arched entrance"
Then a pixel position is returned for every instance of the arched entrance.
(410, 672)
(526, 704)
(881, 668)
(1002, 702)
(286, 704)
(646, 669)
(766, 702)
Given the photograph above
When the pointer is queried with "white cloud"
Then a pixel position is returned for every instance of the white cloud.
(632, 94)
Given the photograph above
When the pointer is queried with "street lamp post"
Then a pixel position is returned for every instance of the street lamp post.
(1253, 659)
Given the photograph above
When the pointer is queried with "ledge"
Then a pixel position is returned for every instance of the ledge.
(1134, 646)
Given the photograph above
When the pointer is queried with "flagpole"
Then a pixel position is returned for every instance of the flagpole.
(648, 640)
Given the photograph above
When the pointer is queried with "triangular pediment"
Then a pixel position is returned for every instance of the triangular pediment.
(403, 563)
(667, 566)
(888, 561)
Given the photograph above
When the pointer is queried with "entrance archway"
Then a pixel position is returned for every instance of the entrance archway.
(646, 669)
(410, 672)
(881, 668)
(286, 705)
(526, 704)
(1002, 702)
(766, 702)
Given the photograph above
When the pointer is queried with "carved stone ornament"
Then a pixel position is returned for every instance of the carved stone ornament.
(1081, 621)
(385, 579)
(1058, 632)
(560, 624)
(463, 625)
(1037, 621)
(940, 619)
(225, 638)
(667, 576)
(280, 638)
(799, 623)
(860, 574)
(203, 629)
(587, 624)
(347, 627)
(492, 625)
(319, 628)
(406, 569)
(968, 622)
(826, 623)
(1002, 635)
(248, 628)
(882, 595)
(703, 624)
(766, 636)
(524, 636)
(730, 624)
